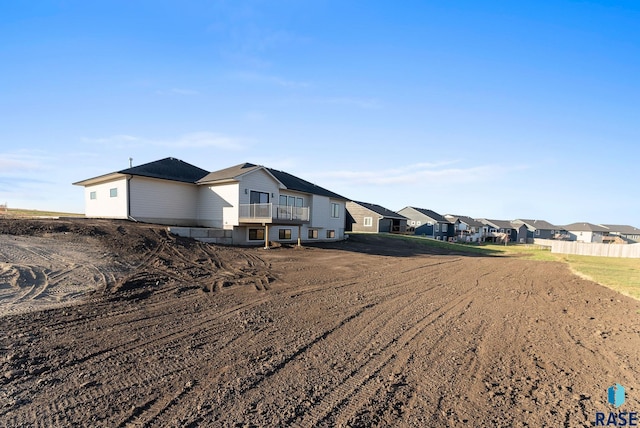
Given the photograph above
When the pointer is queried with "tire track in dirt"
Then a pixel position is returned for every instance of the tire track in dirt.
(344, 401)
(388, 314)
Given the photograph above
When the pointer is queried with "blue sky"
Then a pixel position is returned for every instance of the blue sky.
(491, 109)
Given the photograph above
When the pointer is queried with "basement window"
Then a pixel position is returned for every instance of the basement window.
(331, 233)
(256, 234)
(284, 234)
(313, 234)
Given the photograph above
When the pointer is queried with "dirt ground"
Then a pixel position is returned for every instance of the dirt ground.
(114, 324)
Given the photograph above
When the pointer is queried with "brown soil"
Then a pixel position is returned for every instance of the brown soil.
(114, 324)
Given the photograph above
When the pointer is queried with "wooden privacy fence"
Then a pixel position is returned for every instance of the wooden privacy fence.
(602, 250)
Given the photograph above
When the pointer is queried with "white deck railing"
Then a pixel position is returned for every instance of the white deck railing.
(273, 212)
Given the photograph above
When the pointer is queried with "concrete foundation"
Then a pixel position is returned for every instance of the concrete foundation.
(204, 234)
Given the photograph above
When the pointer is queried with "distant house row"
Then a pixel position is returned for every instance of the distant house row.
(367, 217)
(250, 204)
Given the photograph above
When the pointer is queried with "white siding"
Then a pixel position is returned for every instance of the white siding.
(259, 181)
(321, 216)
(163, 201)
(586, 236)
(218, 206)
(105, 206)
(320, 211)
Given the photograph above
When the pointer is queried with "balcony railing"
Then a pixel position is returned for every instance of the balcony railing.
(271, 212)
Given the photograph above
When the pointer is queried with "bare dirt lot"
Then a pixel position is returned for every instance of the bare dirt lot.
(119, 324)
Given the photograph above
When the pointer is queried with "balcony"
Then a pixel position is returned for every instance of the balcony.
(270, 213)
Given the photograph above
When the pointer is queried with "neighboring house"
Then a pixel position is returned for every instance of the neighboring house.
(628, 233)
(498, 230)
(366, 217)
(466, 228)
(428, 223)
(256, 203)
(586, 232)
(540, 229)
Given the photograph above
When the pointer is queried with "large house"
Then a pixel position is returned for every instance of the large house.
(466, 228)
(252, 203)
(367, 217)
(541, 229)
(428, 223)
(586, 232)
(629, 234)
(504, 231)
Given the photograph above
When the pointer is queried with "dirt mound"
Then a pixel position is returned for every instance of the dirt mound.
(367, 332)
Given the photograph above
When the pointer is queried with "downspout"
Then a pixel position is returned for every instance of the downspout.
(129, 177)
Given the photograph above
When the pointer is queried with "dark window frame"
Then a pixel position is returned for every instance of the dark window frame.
(256, 232)
(282, 234)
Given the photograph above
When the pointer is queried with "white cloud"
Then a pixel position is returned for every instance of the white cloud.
(20, 162)
(191, 140)
(419, 173)
(178, 91)
(205, 139)
(270, 79)
(366, 103)
(113, 139)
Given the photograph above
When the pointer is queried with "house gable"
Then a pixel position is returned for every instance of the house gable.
(366, 217)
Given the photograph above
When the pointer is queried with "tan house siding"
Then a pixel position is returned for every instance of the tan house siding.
(358, 214)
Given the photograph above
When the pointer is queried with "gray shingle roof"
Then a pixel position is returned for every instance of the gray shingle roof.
(228, 173)
(622, 228)
(380, 210)
(289, 181)
(292, 182)
(168, 169)
(464, 219)
(500, 224)
(432, 214)
(540, 224)
(585, 227)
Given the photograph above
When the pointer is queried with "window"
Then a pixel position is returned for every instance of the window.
(437, 227)
(291, 201)
(284, 234)
(537, 232)
(331, 233)
(258, 197)
(313, 234)
(444, 227)
(92, 195)
(256, 234)
(335, 210)
(113, 192)
(368, 221)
